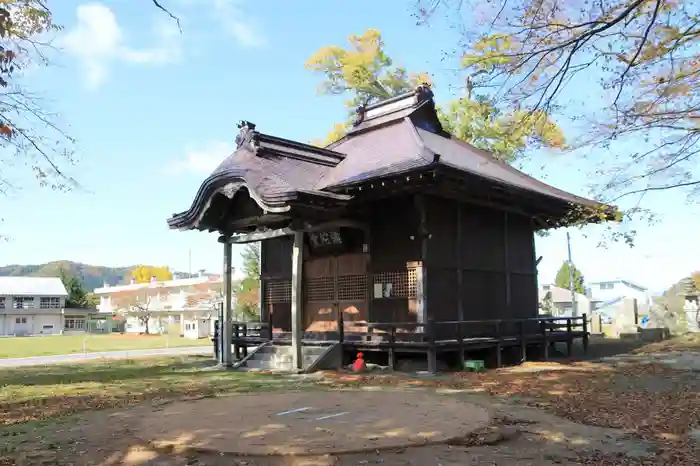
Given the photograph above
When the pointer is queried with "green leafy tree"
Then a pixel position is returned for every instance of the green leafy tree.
(248, 293)
(365, 73)
(77, 296)
(547, 304)
(563, 278)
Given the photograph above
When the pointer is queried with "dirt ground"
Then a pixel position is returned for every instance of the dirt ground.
(515, 435)
(308, 422)
(622, 410)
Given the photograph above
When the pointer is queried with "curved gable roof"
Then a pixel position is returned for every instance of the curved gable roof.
(389, 138)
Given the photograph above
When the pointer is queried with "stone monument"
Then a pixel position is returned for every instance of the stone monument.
(626, 320)
(692, 314)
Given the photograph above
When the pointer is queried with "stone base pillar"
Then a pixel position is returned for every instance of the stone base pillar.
(691, 314)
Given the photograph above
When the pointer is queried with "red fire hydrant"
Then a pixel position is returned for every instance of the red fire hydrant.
(359, 364)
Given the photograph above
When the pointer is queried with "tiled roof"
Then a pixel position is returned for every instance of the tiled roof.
(32, 286)
(388, 138)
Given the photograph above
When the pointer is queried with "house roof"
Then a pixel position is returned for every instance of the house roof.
(560, 295)
(393, 137)
(178, 283)
(32, 286)
(621, 280)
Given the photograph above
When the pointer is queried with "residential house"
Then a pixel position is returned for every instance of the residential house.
(37, 306)
(617, 289)
(562, 302)
(186, 306)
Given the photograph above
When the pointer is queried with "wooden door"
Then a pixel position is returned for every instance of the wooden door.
(352, 290)
(332, 284)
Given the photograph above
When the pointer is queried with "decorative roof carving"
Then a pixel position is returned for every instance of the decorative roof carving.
(245, 134)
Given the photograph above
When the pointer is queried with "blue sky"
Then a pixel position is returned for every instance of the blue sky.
(154, 111)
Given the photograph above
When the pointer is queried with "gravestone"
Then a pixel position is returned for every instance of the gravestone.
(625, 321)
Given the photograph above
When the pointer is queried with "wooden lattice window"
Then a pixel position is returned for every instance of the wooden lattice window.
(320, 289)
(278, 291)
(352, 287)
(403, 283)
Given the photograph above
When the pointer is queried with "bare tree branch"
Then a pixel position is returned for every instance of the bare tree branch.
(167, 12)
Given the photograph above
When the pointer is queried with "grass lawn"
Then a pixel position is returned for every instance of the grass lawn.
(45, 392)
(20, 347)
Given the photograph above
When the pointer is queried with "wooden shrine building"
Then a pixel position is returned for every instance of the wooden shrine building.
(399, 236)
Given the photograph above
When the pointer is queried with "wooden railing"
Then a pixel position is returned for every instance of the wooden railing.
(464, 335)
(512, 332)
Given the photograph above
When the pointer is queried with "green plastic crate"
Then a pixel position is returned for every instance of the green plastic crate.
(474, 365)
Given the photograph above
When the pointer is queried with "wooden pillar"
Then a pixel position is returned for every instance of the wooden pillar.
(225, 328)
(506, 264)
(534, 271)
(264, 311)
(297, 299)
(460, 286)
(424, 236)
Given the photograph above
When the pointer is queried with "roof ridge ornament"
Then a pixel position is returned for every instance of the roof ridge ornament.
(245, 134)
(408, 100)
(423, 92)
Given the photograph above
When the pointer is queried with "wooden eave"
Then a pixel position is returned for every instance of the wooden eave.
(548, 211)
(229, 183)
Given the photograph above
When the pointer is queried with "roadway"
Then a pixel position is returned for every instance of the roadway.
(78, 357)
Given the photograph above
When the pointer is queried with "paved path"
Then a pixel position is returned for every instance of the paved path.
(65, 358)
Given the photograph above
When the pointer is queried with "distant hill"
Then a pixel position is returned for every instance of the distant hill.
(93, 276)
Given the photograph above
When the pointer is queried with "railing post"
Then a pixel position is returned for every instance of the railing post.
(392, 353)
(499, 349)
(245, 344)
(523, 343)
(432, 351)
(460, 343)
(217, 341)
(585, 333)
(236, 336)
(543, 331)
(570, 337)
(341, 326)
(269, 326)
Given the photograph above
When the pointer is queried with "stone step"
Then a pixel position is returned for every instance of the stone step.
(280, 358)
(284, 349)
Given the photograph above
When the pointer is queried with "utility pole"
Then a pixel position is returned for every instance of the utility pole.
(572, 288)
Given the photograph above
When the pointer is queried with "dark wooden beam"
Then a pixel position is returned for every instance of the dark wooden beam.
(287, 231)
(260, 236)
(535, 262)
(460, 270)
(506, 262)
(460, 283)
(424, 236)
(267, 219)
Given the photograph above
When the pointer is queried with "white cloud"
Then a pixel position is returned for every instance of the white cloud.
(235, 22)
(232, 18)
(202, 160)
(98, 42)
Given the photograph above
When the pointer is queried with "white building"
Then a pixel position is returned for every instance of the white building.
(617, 289)
(184, 306)
(562, 302)
(36, 306)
